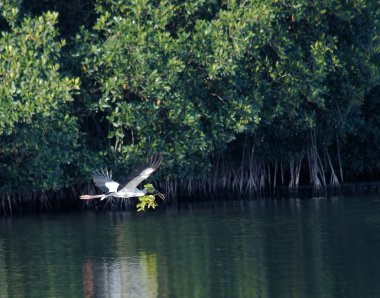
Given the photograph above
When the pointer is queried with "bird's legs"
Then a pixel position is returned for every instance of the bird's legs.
(89, 197)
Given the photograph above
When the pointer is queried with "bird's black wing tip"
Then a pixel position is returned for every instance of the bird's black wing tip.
(155, 160)
(103, 172)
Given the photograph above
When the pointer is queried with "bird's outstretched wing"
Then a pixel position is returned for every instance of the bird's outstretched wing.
(103, 180)
(143, 171)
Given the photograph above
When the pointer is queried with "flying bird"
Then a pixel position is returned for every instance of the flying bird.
(110, 188)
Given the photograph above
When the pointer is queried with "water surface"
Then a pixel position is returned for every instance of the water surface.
(261, 248)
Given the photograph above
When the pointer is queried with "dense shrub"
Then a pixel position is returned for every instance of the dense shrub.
(280, 82)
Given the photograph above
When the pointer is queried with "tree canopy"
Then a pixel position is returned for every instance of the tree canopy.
(257, 84)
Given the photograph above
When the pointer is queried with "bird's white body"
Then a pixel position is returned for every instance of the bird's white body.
(112, 186)
(122, 194)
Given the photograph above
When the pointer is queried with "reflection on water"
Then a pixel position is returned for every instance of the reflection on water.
(273, 248)
(126, 277)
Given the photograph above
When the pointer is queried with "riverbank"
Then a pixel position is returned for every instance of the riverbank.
(68, 198)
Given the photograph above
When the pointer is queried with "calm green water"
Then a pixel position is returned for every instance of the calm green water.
(282, 248)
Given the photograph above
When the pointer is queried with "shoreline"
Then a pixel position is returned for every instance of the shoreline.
(68, 199)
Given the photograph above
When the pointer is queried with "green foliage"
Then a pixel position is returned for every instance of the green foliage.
(38, 132)
(168, 85)
(147, 201)
(189, 79)
(29, 73)
(186, 79)
(149, 187)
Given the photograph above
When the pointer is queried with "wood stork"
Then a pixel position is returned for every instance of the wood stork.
(103, 180)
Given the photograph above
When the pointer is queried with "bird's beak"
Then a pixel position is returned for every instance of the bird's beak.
(162, 196)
